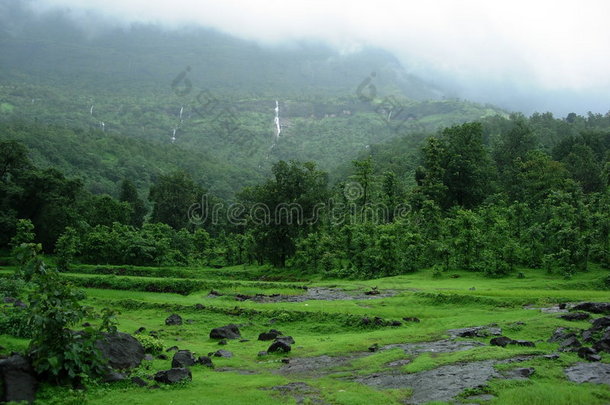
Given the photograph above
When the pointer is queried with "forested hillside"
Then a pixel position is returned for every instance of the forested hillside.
(202, 95)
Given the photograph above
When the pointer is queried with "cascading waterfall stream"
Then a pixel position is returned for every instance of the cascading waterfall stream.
(278, 127)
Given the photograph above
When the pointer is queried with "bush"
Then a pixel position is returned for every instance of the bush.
(151, 344)
(14, 322)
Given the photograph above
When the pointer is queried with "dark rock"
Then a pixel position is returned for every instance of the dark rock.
(374, 347)
(262, 353)
(594, 307)
(563, 305)
(214, 293)
(18, 379)
(173, 376)
(86, 325)
(286, 339)
(199, 306)
(570, 344)
(19, 304)
(500, 341)
(279, 346)
(378, 321)
(366, 321)
(396, 323)
(372, 291)
(552, 356)
(560, 335)
(113, 377)
(476, 331)
(589, 354)
(603, 344)
(225, 332)
(162, 357)
(139, 381)
(243, 297)
(286, 360)
(121, 350)
(272, 334)
(173, 319)
(183, 358)
(222, 353)
(205, 361)
(575, 316)
(600, 324)
(154, 333)
(520, 372)
(244, 340)
(525, 343)
(172, 349)
(223, 342)
(410, 319)
(139, 330)
(587, 336)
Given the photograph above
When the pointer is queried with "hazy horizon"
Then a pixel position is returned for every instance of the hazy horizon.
(543, 56)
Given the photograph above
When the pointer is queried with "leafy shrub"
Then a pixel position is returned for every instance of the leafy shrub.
(14, 322)
(56, 351)
(151, 344)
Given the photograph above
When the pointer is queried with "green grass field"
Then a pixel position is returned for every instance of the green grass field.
(335, 328)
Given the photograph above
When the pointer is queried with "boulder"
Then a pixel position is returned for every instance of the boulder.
(223, 342)
(225, 332)
(285, 339)
(476, 331)
(279, 346)
(525, 343)
(182, 359)
(603, 344)
(222, 353)
(396, 323)
(600, 324)
(172, 349)
(594, 307)
(575, 316)
(411, 319)
(18, 379)
(501, 341)
(139, 381)
(173, 319)
(271, 335)
(114, 376)
(121, 350)
(205, 361)
(521, 372)
(560, 335)
(570, 344)
(173, 376)
(589, 354)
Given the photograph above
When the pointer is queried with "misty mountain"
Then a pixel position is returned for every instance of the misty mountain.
(211, 94)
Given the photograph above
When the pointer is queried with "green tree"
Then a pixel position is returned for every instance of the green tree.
(172, 196)
(129, 194)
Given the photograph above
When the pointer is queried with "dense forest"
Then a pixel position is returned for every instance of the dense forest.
(489, 196)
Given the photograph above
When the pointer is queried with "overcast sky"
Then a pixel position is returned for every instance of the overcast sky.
(523, 55)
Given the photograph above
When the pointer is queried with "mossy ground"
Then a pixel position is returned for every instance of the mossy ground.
(329, 328)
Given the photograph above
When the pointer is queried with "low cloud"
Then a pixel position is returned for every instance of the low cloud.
(522, 55)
